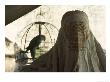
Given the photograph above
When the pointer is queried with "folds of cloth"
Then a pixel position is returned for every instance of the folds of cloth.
(76, 49)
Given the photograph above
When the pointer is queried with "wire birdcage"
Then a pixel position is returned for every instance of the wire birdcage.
(34, 29)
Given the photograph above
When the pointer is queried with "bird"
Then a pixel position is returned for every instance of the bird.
(34, 43)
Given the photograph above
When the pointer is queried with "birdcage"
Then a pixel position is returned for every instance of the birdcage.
(27, 34)
(35, 29)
